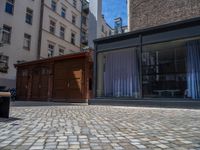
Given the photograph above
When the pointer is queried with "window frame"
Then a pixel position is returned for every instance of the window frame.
(27, 38)
(62, 32)
(9, 4)
(61, 49)
(6, 40)
(51, 49)
(63, 12)
(73, 38)
(75, 3)
(53, 5)
(74, 19)
(4, 60)
(52, 27)
(29, 16)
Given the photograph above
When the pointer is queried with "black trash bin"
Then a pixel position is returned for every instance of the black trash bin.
(4, 104)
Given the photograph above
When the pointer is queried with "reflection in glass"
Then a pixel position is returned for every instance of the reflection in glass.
(168, 69)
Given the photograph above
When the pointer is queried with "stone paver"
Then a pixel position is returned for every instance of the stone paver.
(100, 127)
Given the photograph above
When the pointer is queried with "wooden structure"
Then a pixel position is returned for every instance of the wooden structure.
(64, 78)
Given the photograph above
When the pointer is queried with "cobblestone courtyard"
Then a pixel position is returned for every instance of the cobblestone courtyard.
(100, 127)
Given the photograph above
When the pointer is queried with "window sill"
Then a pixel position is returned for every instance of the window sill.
(26, 48)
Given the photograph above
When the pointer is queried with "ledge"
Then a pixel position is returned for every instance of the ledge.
(161, 103)
(5, 94)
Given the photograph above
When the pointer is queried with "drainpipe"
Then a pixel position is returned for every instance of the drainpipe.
(40, 29)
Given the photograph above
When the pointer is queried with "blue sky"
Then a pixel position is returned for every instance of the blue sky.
(113, 9)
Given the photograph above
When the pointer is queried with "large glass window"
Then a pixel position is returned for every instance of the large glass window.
(165, 69)
(118, 74)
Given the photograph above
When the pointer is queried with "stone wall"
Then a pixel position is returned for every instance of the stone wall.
(148, 13)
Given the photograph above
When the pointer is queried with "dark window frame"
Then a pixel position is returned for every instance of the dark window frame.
(9, 6)
(29, 16)
(6, 34)
(27, 38)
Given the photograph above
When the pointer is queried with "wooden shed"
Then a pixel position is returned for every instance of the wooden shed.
(65, 78)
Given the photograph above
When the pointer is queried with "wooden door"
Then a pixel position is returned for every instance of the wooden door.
(44, 83)
(74, 84)
(40, 83)
(36, 84)
(67, 80)
(60, 81)
(22, 85)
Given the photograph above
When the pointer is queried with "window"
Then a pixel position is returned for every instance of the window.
(50, 50)
(102, 29)
(62, 32)
(9, 8)
(84, 20)
(61, 51)
(74, 3)
(84, 36)
(73, 38)
(63, 12)
(6, 34)
(29, 16)
(27, 41)
(52, 27)
(164, 69)
(4, 63)
(53, 5)
(110, 32)
(73, 19)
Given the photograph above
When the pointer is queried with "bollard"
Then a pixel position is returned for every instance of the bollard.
(4, 104)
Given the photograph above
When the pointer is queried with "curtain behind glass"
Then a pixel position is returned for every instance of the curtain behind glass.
(121, 75)
(193, 69)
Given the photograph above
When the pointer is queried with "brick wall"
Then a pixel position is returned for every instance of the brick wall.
(148, 13)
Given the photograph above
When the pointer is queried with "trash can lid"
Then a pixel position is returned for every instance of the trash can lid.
(5, 94)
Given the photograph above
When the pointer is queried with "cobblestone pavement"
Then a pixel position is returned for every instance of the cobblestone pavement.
(100, 127)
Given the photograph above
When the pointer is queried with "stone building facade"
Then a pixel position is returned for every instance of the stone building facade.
(149, 13)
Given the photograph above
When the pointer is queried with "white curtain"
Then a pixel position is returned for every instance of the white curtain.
(121, 74)
(193, 69)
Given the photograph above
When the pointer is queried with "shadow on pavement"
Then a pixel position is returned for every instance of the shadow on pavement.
(8, 120)
(35, 104)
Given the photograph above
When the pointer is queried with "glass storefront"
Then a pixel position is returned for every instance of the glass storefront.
(118, 74)
(163, 70)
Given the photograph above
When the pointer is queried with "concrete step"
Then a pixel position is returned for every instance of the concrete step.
(166, 103)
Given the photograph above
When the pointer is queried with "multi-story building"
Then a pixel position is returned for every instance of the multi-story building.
(119, 28)
(37, 29)
(41, 29)
(158, 59)
(106, 29)
(98, 27)
(143, 14)
(19, 21)
(60, 28)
